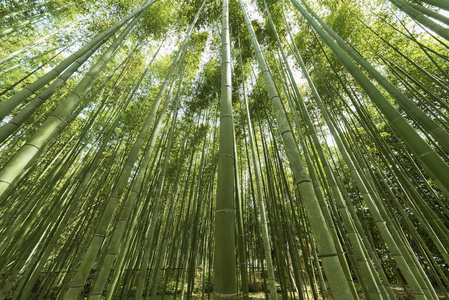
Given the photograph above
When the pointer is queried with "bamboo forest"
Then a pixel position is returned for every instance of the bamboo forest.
(224, 149)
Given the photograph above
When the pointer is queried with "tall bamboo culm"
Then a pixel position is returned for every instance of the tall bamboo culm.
(326, 249)
(225, 285)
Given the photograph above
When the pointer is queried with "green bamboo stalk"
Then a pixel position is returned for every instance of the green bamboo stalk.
(412, 109)
(155, 210)
(387, 232)
(225, 284)
(410, 188)
(441, 114)
(425, 155)
(18, 51)
(144, 210)
(421, 18)
(443, 4)
(373, 286)
(261, 213)
(192, 254)
(431, 108)
(239, 210)
(430, 76)
(45, 218)
(13, 13)
(423, 212)
(326, 248)
(368, 279)
(43, 54)
(394, 225)
(11, 29)
(429, 12)
(410, 36)
(12, 125)
(12, 86)
(119, 230)
(21, 159)
(19, 97)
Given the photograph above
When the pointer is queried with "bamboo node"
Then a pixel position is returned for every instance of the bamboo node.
(62, 78)
(373, 92)
(79, 97)
(28, 144)
(225, 295)
(340, 55)
(426, 153)
(302, 181)
(26, 88)
(225, 116)
(264, 71)
(327, 255)
(395, 119)
(288, 130)
(226, 155)
(274, 97)
(57, 117)
(7, 182)
(55, 70)
(229, 211)
(436, 129)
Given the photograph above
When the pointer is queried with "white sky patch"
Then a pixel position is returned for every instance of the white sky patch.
(207, 54)
(444, 13)
(297, 74)
(253, 12)
(169, 46)
(47, 69)
(330, 140)
(173, 44)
